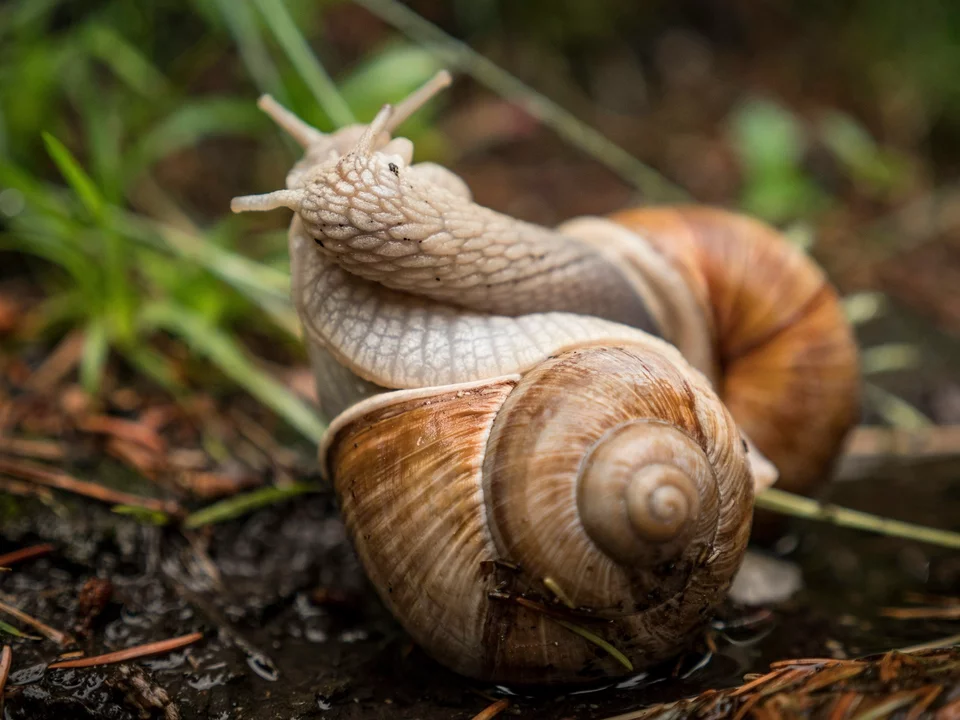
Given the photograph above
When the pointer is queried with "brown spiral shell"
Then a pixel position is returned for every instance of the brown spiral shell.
(786, 356)
(611, 473)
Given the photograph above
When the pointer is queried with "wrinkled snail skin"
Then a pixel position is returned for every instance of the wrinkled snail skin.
(435, 484)
(393, 339)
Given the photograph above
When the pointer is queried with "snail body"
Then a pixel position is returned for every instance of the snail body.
(511, 396)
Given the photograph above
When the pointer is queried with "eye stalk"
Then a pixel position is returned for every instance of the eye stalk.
(293, 198)
(320, 146)
(418, 98)
(367, 143)
(269, 201)
(305, 135)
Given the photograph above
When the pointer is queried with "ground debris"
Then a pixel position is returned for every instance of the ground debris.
(93, 598)
(143, 694)
(132, 653)
(874, 687)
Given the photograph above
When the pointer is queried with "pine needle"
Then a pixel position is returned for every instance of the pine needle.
(134, 653)
(491, 711)
(27, 553)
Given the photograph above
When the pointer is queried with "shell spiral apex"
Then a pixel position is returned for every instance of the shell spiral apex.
(639, 490)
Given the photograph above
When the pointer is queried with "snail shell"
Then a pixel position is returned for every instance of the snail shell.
(611, 473)
(501, 402)
(782, 354)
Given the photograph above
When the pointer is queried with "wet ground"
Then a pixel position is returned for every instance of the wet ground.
(292, 631)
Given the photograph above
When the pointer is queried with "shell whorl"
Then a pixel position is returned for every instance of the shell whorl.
(437, 483)
(607, 465)
(639, 491)
(788, 362)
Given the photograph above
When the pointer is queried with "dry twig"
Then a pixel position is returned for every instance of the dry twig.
(27, 553)
(6, 660)
(923, 613)
(60, 638)
(58, 364)
(493, 710)
(121, 429)
(38, 449)
(25, 489)
(134, 653)
(60, 480)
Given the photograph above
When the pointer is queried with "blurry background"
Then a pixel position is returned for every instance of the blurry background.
(150, 359)
(839, 122)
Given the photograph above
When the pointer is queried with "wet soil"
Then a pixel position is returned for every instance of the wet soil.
(292, 630)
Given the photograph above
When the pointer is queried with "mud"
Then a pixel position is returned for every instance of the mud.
(291, 629)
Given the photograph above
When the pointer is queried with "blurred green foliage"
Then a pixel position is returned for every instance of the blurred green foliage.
(98, 98)
(93, 97)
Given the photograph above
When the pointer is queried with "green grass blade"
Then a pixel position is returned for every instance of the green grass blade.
(890, 357)
(19, 17)
(240, 505)
(126, 61)
(144, 516)
(652, 184)
(245, 29)
(278, 19)
(55, 249)
(264, 286)
(120, 296)
(103, 126)
(75, 176)
(39, 196)
(94, 357)
(218, 347)
(241, 272)
(189, 124)
(802, 507)
(155, 366)
(863, 307)
(11, 630)
(596, 640)
(4, 143)
(895, 410)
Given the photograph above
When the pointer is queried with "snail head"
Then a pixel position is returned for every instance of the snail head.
(349, 181)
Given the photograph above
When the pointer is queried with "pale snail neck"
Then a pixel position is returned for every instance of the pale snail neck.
(398, 340)
(387, 223)
(395, 226)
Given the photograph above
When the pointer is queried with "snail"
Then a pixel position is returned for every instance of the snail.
(527, 446)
